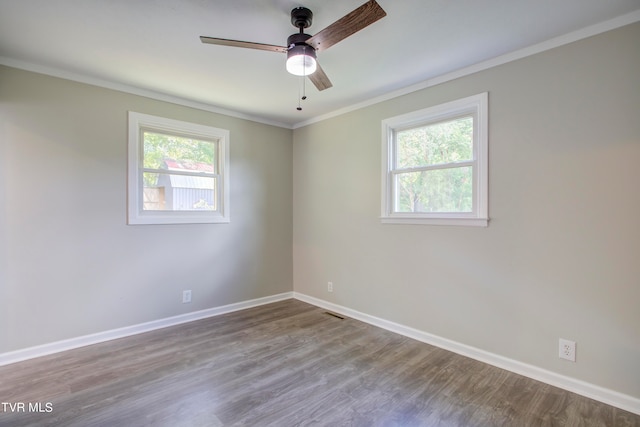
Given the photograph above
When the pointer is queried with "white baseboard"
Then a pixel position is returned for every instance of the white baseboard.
(69, 344)
(610, 397)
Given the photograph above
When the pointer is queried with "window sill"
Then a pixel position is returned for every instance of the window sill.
(162, 217)
(414, 220)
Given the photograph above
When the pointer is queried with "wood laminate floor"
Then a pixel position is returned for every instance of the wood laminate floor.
(283, 364)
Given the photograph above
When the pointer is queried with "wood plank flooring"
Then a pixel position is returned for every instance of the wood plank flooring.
(283, 364)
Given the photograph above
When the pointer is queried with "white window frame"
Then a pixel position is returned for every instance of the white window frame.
(475, 106)
(138, 123)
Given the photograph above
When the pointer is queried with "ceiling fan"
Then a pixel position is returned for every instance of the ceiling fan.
(301, 48)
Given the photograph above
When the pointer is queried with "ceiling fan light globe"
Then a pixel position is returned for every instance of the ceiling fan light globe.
(301, 61)
(301, 65)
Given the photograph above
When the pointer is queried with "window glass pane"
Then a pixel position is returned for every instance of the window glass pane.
(438, 190)
(438, 143)
(178, 153)
(179, 192)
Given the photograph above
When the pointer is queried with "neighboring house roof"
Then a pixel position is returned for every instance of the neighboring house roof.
(186, 165)
(188, 181)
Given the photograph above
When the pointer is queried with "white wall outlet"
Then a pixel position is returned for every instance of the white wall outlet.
(567, 350)
(186, 297)
(330, 286)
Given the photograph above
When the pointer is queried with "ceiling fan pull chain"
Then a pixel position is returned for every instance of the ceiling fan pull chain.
(304, 86)
(304, 79)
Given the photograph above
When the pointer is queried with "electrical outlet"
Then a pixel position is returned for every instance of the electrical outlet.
(567, 350)
(330, 286)
(186, 297)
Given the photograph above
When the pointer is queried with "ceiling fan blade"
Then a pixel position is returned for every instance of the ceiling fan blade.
(239, 43)
(320, 79)
(349, 24)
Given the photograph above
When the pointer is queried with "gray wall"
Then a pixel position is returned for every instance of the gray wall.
(560, 257)
(69, 264)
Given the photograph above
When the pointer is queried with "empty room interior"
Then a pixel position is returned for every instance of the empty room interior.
(320, 212)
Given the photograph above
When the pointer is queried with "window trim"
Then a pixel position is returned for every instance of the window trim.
(139, 122)
(477, 106)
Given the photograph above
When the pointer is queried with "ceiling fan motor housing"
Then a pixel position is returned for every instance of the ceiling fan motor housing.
(298, 39)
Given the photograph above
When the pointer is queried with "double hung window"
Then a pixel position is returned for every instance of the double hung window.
(178, 172)
(435, 165)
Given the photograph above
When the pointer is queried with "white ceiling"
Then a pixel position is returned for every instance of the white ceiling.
(153, 45)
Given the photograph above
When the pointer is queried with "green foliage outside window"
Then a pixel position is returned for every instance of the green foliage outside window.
(431, 173)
